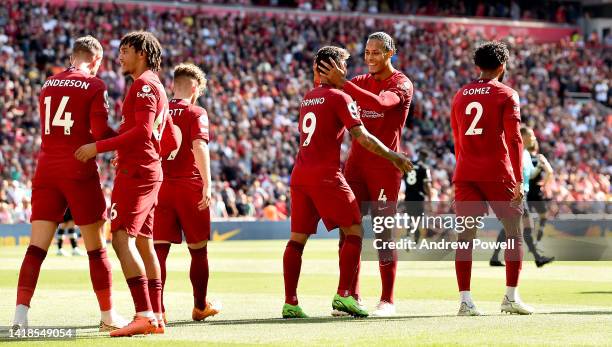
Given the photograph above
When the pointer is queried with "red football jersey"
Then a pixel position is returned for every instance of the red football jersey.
(145, 122)
(73, 112)
(485, 118)
(190, 123)
(325, 113)
(386, 123)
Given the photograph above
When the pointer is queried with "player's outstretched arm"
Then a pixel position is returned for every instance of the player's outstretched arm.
(378, 103)
(201, 155)
(142, 130)
(372, 144)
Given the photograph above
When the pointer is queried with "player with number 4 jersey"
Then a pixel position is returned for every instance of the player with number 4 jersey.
(485, 118)
(319, 189)
(383, 95)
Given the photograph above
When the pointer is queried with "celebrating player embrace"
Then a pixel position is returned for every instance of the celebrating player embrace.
(318, 187)
(485, 118)
(146, 135)
(383, 96)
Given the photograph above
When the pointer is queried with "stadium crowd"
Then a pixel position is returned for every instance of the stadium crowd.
(258, 67)
(551, 11)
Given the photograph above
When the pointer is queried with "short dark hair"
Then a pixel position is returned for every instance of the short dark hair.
(385, 38)
(87, 45)
(490, 55)
(328, 53)
(144, 41)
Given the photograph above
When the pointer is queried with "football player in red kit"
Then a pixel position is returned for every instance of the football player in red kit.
(485, 118)
(145, 136)
(73, 112)
(383, 95)
(318, 187)
(186, 191)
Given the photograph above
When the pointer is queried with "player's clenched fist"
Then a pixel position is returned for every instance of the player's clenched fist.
(86, 152)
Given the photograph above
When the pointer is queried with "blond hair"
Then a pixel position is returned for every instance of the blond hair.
(192, 72)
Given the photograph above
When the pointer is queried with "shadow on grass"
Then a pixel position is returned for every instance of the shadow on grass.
(610, 292)
(581, 313)
(311, 320)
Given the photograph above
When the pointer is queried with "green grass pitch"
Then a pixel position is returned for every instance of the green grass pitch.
(573, 301)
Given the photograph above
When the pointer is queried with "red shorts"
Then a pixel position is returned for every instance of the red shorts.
(133, 204)
(471, 199)
(51, 197)
(335, 204)
(177, 213)
(374, 185)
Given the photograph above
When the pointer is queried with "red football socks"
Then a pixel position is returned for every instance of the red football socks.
(349, 261)
(155, 294)
(198, 273)
(28, 275)
(292, 264)
(101, 277)
(355, 285)
(140, 293)
(513, 257)
(162, 250)
(463, 267)
(388, 269)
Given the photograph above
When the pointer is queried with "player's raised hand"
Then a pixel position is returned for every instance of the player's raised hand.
(206, 196)
(335, 75)
(402, 163)
(86, 152)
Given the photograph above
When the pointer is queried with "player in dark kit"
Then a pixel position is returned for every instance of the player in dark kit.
(529, 171)
(536, 199)
(318, 187)
(485, 118)
(73, 112)
(146, 134)
(417, 185)
(383, 96)
(186, 191)
(67, 228)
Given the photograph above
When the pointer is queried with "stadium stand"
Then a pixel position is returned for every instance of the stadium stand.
(259, 66)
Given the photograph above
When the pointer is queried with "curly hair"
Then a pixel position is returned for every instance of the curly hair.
(193, 72)
(490, 55)
(328, 53)
(144, 41)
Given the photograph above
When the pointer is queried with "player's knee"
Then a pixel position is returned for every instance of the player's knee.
(354, 230)
(198, 245)
(299, 238)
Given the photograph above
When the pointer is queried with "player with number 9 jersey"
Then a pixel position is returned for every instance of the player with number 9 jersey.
(318, 187)
(73, 112)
